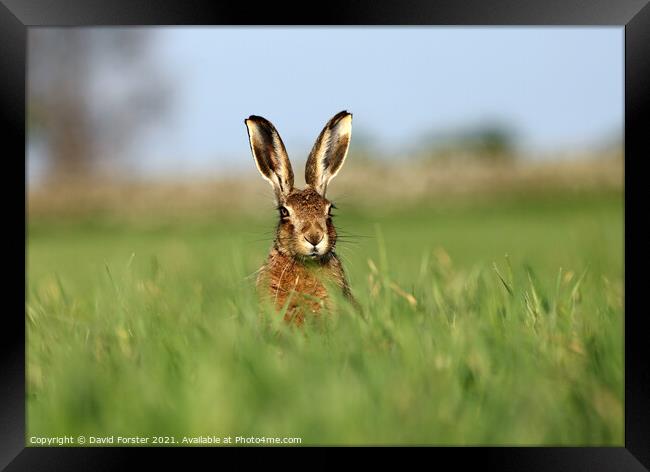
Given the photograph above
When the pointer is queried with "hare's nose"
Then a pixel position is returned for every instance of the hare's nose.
(314, 238)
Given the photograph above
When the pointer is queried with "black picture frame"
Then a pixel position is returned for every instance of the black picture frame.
(632, 15)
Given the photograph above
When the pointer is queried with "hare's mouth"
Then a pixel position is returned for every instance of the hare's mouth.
(314, 254)
(314, 258)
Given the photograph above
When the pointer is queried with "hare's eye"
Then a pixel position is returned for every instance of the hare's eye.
(284, 212)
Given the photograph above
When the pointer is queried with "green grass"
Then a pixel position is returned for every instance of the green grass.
(498, 323)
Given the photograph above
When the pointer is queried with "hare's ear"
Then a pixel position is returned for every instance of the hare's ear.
(270, 155)
(329, 151)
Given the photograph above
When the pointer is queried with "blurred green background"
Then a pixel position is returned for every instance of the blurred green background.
(484, 240)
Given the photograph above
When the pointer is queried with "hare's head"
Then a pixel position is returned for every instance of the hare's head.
(305, 229)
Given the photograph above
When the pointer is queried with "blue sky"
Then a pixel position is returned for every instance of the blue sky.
(558, 88)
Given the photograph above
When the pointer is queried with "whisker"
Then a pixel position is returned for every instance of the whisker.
(350, 233)
(347, 242)
(349, 237)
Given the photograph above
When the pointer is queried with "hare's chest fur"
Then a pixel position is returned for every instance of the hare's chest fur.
(300, 287)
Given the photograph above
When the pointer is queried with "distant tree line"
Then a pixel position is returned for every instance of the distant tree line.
(90, 92)
(489, 142)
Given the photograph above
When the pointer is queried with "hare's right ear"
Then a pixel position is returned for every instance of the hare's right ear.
(270, 155)
(329, 151)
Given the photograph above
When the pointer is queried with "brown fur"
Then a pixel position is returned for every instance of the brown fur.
(295, 281)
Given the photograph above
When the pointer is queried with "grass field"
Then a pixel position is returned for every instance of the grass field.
(498, 322)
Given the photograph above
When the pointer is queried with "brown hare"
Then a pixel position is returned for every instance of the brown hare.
(302, 264)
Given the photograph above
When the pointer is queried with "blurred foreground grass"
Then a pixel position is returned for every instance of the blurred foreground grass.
(154, 330)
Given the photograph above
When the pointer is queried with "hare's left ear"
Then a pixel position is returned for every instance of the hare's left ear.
(329, 152)
(270, 155)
